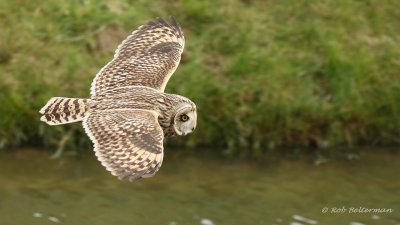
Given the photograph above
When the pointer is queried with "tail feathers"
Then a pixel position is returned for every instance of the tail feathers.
(60, 110)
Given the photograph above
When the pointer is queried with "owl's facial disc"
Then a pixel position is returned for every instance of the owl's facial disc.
(185, 120)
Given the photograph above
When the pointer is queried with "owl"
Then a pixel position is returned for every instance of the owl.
(129, 115)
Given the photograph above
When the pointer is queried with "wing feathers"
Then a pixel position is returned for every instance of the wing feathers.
(147, 57)
(129, 143)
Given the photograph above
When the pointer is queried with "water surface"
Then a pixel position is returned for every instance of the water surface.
(199, 190)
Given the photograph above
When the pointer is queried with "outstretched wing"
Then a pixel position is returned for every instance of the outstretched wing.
(129, 143)
(147, 57)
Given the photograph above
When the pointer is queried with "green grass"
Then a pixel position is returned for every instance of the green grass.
(265, 75)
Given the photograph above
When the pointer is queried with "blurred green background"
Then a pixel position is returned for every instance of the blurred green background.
(318, 77)
(265, 75)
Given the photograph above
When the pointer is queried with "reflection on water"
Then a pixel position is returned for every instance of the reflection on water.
(200, 190)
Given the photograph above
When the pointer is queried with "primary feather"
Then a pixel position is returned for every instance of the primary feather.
(147, 57)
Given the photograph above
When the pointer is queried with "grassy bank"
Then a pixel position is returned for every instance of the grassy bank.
(264, 75)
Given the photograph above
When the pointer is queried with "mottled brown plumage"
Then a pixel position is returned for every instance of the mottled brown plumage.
(154, 48)
(129, 115)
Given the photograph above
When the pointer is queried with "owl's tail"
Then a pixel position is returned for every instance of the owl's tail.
(60, 110)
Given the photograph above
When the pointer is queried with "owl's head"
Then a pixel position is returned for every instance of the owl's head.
(185, 119)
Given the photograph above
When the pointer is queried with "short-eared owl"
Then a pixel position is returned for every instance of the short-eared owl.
(128, 114)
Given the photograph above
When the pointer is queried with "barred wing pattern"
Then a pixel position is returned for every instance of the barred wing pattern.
(128, 142)
(148, 57)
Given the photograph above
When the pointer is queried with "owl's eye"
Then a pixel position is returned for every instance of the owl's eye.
(184, 117)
